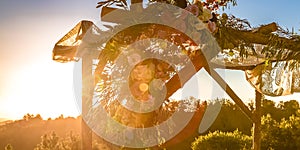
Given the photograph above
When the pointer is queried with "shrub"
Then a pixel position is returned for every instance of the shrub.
(280, 135)
(222, 140)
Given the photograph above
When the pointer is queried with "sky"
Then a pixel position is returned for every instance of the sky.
(31, 82)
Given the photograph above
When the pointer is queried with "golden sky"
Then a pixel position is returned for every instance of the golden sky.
(30, 82)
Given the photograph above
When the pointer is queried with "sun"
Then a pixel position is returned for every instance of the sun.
(37, 89)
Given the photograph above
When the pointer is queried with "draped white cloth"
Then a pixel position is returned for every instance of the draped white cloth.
(268, 77)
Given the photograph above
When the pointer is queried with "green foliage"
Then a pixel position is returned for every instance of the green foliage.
(222, 140)
(25, 134)
(70, 142)
(280, 123)
(281, 135)
(227, 123)
(276, 135)
(280, 111)
(53, 142)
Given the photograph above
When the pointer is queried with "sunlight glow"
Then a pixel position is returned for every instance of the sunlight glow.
(32, 83)
(37, 90)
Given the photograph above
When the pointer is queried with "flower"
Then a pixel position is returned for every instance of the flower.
(206, 15)
(193, 9)
(212, 26)
(143, 73)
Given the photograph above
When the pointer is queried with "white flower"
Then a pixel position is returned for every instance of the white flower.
(206, 15)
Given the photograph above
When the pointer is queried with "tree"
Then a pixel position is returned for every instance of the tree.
(280, 135)
(28, 116)
(269, 107)
(38, 116)
(290, 108)
(225, 121)
(61, 116)
(9, 147)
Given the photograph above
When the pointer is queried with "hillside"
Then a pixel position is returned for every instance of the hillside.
(3, 119)
(25, 134)
(280, 123)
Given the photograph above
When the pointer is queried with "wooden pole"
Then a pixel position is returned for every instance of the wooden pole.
(255, 118)
(177, 82)
(230, 92)
(87, 93)
(140, 6)
(257, 122)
